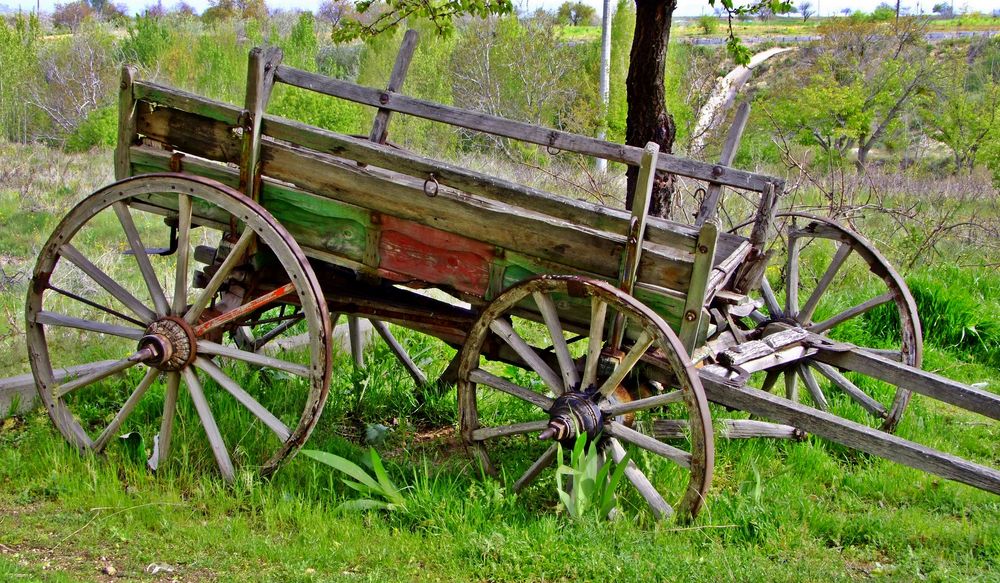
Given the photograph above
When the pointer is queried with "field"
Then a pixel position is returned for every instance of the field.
(778, 510)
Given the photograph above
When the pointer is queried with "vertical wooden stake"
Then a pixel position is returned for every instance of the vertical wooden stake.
(260, 81)
(710, 206)
(380, 129)
(126, 124)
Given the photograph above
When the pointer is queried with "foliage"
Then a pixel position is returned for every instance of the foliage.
(622, 29)
(708, 24)
(71, 15)
(961, 108)
(576, 13)
(227, 9)
(332, 11)
(99, 128)
(592, 483)
(389, 14)
(300, 47)
(737, 50)
(380, 492)
(18, 62)
(147, 38)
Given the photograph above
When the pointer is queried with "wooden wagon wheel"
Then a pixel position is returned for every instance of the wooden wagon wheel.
(594, 390)
(824, 264)
(137, 306)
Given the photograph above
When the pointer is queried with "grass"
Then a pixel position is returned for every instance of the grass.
(778, 511)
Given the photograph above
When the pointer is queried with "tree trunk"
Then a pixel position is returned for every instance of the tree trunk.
(648, 119)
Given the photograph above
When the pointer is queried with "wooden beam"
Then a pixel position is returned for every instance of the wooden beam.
(126, 123)
(21, 388)
(520, 131)
(260, 81)
(710, 205)
(849, 433)
(694, 308)
(913, 379)
(380, 127)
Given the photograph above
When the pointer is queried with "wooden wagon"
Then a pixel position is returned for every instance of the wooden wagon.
(617, 324)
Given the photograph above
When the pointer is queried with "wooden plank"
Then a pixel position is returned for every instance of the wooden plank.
(849, 433)
(913, 379)
(190, 133)
(380, 127)
(637, 224)
(697, 290)
(126, 123)
(192, 103)
(549, 138)
(599, 217)
(710, 205)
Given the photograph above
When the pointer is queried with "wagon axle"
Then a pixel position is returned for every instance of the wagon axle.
(574, 413)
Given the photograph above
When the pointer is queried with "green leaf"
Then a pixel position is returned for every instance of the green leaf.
(343, 465)
(389, 490)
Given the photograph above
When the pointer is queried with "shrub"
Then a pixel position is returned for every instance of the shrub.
(99, 128)
(147, 38)
(708, 24)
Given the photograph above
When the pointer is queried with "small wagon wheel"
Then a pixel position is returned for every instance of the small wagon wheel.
(832, 280)
(584, 383)
(136, 305)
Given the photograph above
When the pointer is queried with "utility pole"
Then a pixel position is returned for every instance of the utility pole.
(605, 82)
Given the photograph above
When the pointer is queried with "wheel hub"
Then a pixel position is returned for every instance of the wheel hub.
(572, 414)
(172, 342)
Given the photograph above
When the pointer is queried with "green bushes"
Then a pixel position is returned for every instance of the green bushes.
(99, 128)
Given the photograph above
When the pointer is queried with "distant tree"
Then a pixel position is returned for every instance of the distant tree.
(962, 108)
(332, 11)
(183, 8)
(765, 13)
(883, 12)
(805, 10)
(708, 24)
(852, 89)
(943, 9)
(575, 13)
(225, 9)
(846, 11)
(71, 15)
(155, 10)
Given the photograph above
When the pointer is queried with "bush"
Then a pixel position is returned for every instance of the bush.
(708, 24)
(147, 39)
(99, 128)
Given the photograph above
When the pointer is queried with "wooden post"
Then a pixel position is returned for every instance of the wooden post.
(380, 129)
(126, 124)
(694, 305)
(260, 81)
(636, 234)
(710, 206)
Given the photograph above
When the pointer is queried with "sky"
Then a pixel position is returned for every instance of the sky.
(684, 7)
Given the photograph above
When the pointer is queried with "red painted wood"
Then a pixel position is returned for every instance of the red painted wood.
(435, 256)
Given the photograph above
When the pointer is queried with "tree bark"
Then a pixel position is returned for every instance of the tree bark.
(648, 119)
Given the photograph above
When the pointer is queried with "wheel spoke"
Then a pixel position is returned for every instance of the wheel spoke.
(147, 381)
(101, 373)
(547, 307)
(161, 448)
(206, 347)
(844, 384)
(244, 398)
(184, 210)
(843, 251)
(273, 333)
(234, 257)
(208, 423)
(598, 312)
(792, 277)
(850, 313)
(139, 251)
(791, 384)
(504, 330)
(96, 305)
(769, 298)
(484, 433)
(104, 280)
(56, 319)
(769, 380)
(357, 346)
(640, 347)
(411, 367)
(814, 390)
(678, 456)
(484, 378)
(640, 482)
(644, 403)
(536, 468)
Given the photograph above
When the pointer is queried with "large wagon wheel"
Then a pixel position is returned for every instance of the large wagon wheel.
(596, 390)
(137, 306)
(832, 280)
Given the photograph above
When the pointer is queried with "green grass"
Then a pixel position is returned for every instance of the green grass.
(778, 511)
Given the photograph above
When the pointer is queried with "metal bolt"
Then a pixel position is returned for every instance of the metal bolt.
(716, 170)
(384, 98)
(702, 248)
(690, 316)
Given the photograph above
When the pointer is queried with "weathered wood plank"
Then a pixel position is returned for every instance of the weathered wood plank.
(261, 65)
(710, 205)
(518, 130)
(913, 379)
(849, 433)
(190, 102)
(698, 288)
(20, 389)
(380, 127)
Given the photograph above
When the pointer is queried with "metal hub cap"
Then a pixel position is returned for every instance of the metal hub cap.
(172, 341)
(573, 413)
